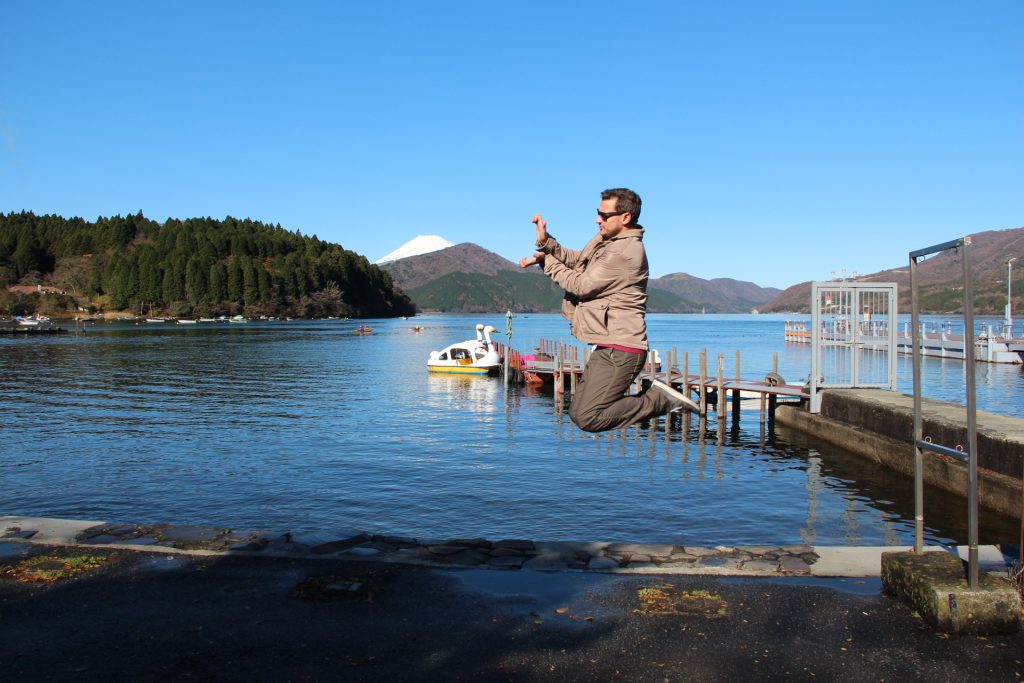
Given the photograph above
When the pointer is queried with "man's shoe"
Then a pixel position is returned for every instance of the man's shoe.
(677, 399)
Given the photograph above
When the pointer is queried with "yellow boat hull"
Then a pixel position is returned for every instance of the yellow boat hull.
(463, 369)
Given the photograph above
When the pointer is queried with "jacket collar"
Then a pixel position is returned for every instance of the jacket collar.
(637, 232)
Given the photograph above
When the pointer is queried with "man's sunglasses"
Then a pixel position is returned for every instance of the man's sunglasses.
(605, 215)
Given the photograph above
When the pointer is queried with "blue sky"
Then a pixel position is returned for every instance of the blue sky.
(774, 142)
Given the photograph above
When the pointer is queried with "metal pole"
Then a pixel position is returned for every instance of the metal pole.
(1009, 297)
(894, 317)
(972, 421)
(816, 332)
(915, 345)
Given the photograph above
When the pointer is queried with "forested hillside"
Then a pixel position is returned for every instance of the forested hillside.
(522, 292)
(197, 266)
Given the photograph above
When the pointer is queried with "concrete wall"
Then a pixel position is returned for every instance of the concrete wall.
(878, 424)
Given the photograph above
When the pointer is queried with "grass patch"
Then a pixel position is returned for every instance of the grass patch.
(666, 600)
(50, 568)
(1016, 573)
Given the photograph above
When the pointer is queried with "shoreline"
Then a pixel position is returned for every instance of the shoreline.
(481, 553)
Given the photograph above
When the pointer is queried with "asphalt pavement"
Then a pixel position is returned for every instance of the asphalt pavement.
(132, 615)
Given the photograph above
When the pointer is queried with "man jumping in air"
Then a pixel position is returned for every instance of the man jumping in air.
(605, 301)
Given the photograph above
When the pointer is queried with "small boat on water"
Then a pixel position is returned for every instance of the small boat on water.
(237, 319)
(32, 320)
(157, 320)
(472, 357)
(187, 321)
(363, 329)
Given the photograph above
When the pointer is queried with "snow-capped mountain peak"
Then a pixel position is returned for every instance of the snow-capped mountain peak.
(422, 244)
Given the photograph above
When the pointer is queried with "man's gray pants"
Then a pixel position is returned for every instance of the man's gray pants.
(600, 402)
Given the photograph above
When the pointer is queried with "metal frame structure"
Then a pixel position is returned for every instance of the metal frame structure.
(921, 444)
(848, 336)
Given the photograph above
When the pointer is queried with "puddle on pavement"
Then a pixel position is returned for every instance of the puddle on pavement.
(566, 594)
(9, 550)
(160, 563)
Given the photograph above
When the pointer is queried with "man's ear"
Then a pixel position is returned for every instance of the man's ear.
(627, 219)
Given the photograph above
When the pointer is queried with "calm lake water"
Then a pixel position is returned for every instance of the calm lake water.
(304, 425)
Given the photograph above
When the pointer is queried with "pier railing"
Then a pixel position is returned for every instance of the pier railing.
(562, 365)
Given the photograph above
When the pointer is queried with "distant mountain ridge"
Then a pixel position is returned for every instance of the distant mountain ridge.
(940, 279)
(469, 278)
(721, 295)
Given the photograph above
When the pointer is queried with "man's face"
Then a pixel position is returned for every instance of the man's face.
(613, 225)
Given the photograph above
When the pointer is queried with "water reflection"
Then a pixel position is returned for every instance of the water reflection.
(463, 394)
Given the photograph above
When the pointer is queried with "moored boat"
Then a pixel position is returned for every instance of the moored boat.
(32, 320)
(472, 357)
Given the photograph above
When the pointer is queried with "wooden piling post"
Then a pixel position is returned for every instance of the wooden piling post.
(559, 386)
(672, 364)
(572, 370)
(736, 392)
(720, 408)
(703, 382)
(686, 373)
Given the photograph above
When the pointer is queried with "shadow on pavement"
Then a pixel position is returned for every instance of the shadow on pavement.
(143, 616)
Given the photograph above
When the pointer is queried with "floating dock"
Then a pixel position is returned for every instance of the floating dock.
(938, 342)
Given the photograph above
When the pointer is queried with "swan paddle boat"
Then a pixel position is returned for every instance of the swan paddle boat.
(472, 357)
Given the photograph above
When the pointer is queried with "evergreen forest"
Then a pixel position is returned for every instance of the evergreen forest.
(191, 267)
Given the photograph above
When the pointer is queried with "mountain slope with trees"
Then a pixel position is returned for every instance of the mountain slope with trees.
(415, 271)
(721, 295)
(521, 292)
(469, 278)
(196, 266)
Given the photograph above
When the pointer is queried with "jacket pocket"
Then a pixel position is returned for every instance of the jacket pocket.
(591, 319)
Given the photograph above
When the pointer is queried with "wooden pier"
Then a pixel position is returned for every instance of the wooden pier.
(561, 365)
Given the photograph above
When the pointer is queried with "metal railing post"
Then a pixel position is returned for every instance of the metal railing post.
(972, 420)
(920, 445)
(915, 346)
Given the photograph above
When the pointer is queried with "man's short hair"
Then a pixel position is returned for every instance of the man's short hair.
(625, 200)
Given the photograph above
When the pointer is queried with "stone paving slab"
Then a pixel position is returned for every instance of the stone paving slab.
(856, 561)
(46, 528)
(507, 554)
